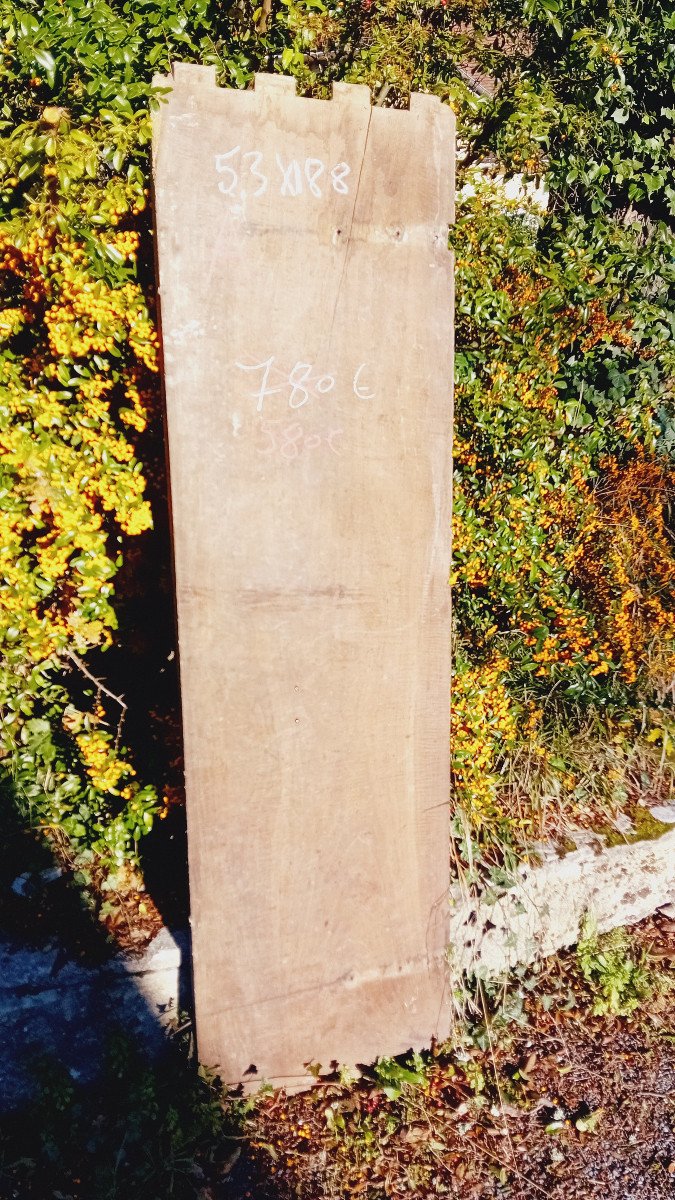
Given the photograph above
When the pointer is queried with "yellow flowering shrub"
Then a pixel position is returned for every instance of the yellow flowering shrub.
(563, 558)
(78, 367)
(485, 726)
(564, 431)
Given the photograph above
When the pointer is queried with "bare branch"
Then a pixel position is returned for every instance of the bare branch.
(101, 686)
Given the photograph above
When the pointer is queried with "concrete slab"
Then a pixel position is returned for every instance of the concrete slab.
(545, 909)
(50, 1003)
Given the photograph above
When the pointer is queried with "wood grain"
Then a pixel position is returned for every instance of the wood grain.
(306, 309)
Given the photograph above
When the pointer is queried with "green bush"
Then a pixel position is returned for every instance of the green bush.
(564, 607)
(616, 970)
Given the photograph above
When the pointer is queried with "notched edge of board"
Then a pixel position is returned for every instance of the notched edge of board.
(352, 93)
(275, 85)
(191, 76)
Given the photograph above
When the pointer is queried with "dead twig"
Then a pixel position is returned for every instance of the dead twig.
(263, 21)
(101, 686)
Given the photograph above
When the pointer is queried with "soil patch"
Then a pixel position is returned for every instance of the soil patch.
(559, 1102)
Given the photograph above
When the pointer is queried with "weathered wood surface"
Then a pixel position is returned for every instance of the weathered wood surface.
(306, 310)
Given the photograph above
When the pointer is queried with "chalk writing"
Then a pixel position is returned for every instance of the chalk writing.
(291, 440)
(242, 174)
(360, 389)
(301, 384)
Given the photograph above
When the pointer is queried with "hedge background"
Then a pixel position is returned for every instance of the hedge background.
(563, 550)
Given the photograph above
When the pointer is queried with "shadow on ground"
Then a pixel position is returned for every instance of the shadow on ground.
(101, 1098)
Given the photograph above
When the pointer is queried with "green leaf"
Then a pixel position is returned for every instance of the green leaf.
(38, 727)
(46, 61)
(589, 1124)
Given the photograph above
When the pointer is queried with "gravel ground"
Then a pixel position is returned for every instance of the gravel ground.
(563, 1103)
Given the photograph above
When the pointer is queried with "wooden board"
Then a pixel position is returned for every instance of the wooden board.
(306, 311)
